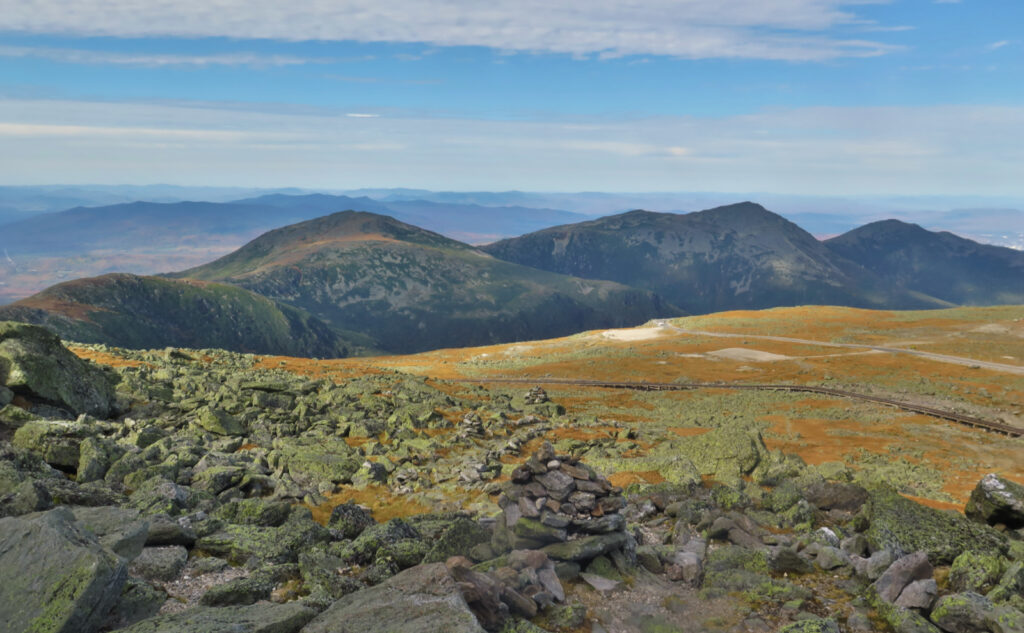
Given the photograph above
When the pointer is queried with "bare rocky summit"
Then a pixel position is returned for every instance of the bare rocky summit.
(214, 495)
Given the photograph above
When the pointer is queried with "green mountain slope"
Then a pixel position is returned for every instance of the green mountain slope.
(740, 256)
(412, 290)
(151, 312)
(942, 265)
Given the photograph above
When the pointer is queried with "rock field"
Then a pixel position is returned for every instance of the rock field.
(186, 490)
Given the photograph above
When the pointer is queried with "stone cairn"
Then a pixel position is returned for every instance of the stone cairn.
(562, 507)
(557, 515)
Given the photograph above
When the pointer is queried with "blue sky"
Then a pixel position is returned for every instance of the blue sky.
(783, 96)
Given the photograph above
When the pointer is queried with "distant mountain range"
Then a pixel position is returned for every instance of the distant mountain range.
(354, 281)
(411, 290)
(154, 237)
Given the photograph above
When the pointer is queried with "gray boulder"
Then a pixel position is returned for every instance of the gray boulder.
(257, 618)
(973, 613)
(57, 577)
(33, 362)
(919, 594)
(160, 563)
(57, 441)
(901, 573)
(119, 529)
(996, 500)
(423, 599)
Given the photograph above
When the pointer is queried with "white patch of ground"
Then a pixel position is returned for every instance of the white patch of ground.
(992, 328)
(746, 355)
(633, 334)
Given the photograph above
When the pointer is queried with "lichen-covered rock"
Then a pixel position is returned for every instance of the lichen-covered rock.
(906, 526)
(218, 421)
(459, 537)
(423, 599)
(350, 520)
(33, 362)
(997, 500)
(311, 460)
(814, 625)
(585, 548)
(58, 579)
(975, 572)
(382, 536)
(267, 545)
(248, 590)
(256, 511)
(973, 613)
(58, 441)
(257, 618)
(1010, 588)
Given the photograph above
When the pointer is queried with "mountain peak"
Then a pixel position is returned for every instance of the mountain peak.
(741, 213)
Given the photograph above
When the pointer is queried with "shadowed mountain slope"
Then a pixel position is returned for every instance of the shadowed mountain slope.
(151, 312)
(942, 265)
(411, 289)
(739, 256)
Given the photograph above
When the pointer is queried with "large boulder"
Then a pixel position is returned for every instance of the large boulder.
(57, 578)
(35, 364)
(997, 500)
(58, 441)
(423, 599)
(906, 526)
(257, 618)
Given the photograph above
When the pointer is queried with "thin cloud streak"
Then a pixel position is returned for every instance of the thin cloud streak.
(793, 30)
(157, 60)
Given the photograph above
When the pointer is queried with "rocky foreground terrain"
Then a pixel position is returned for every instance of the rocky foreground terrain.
(188, 490)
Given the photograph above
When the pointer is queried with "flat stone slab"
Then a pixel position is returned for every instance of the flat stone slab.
(422, 599)
(262, 617)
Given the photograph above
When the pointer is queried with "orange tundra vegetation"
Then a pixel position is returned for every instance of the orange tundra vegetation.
(664, 354)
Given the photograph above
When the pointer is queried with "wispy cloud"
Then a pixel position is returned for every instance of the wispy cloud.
(795, 30)
(361, 115)
(997, 45)
(906, 150)
(155, 60)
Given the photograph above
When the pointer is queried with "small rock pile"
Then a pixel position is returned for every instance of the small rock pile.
(560, 506)
(536, 395)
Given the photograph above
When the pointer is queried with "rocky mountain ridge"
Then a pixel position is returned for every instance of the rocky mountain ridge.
(739, 256)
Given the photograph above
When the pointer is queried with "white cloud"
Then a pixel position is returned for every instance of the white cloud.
(781, 29)
(996, 45)
(361, 115)
(154, 60)
(853, 150)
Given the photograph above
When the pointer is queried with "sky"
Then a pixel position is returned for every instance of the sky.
(809, 97)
